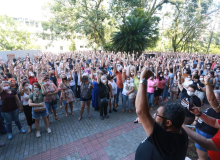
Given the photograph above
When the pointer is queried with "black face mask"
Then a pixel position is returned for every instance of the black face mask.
(64, 79)
(85, 78)
(120, 71)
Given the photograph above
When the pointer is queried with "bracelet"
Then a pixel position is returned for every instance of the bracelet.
(207, 84)
(198, 115)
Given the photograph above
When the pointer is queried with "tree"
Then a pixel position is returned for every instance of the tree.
(190, 19)
(12, 36)
(136, 34)
(87, 17)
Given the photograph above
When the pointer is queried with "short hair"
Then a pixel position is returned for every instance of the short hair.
(175, 113)
(212, 73)
(8, 75)
(23, 84)
(37, 84)
(192, 86)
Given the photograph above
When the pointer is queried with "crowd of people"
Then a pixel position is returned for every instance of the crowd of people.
(99, 78)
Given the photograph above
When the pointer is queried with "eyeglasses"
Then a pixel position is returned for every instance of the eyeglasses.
(159, 116)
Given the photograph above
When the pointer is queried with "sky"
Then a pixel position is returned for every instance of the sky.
(31, 9)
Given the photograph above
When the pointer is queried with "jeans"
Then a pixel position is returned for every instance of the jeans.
(73, 88)
(103, 106)
(125, 100)
(165, 92)
(118, 92)
(11, 116)
(2, 126)
(150, 97)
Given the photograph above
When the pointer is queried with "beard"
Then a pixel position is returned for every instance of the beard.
(162, 124)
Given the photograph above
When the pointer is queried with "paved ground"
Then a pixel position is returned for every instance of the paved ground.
(114, 138)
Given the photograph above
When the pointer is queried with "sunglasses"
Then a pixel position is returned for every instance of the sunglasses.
(156, 114)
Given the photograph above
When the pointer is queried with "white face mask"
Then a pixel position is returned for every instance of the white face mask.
(138, 76)
(151, 77)
(161, 75)
(6, 88)
(190, 93)
(128, 81)
(187, 66)
(132, 74)
(201, 79)
(208, 67)
(104, 81)
(184, 72)
(26, 88)
(32, 74)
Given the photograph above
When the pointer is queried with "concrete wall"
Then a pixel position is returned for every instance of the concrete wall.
(18, 53)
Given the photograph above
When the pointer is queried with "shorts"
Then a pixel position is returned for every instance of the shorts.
(51, 106)
(84, 99)
(204, 135)
(158, 92)
(37, 115)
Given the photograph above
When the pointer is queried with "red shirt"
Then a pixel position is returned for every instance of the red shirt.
(119, 79)
(32, 80)
(8, 101)
(214, 155)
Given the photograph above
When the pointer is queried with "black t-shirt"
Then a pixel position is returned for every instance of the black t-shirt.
(191, 100)
(54, 79)
(205, 127)
(201, 85)
(103, 90)
(163, 145)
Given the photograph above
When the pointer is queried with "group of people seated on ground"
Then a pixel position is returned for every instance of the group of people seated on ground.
(35, 86)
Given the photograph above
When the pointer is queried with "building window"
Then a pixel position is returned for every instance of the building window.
(81, 46)
(48, 37)
(46, 47)
(27, 22)
(36, 24)
(61, 48)
(15, 19)
(32, 23)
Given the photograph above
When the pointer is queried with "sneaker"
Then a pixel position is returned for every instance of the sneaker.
(106, 116)
(9, 136)
(48, 130)
(115, 110)
(22, 130)
(101, 117)
(110, 111)
(38, 134)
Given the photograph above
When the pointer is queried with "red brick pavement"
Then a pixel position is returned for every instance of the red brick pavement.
(92, 145)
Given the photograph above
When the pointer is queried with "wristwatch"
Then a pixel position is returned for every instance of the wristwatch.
(143, 81)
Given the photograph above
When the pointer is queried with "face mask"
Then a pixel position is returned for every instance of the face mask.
(138, 76)
(85, 78)
(128, 81)
(32, 74)
(201, 79)
(187, 66)
(104, 81)
(26, 88)
(48, 82)
(184, 72)
(161, 75)
(6, 88)
(208, 67)
(151, 77)
(132, 74)
(64, 79)
(120, 71)
(207, 61)
(190, 93)
(165, 72)
(36, 89)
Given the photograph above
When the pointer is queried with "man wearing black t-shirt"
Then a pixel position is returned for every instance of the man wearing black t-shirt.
(166, 139)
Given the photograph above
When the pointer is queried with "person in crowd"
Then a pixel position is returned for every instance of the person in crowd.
(67, 95)
(113, 88)
(151, 85)
(188, 98)
(119, 82)
(201, 89)
(95, 92)
(128, 89)
(10, 107)
(212, 80)
(104, 95)
(164, 130)
(166, 87)
(39, 109)
(25, 92)
(49, 91)
(85, 93)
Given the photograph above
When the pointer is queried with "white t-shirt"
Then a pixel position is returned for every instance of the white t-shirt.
(114, 87)
(126, 87)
